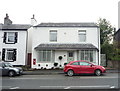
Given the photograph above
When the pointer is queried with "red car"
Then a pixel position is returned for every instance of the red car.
(78, 67)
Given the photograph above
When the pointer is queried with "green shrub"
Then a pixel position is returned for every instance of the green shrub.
(26, 67)
(55, 64)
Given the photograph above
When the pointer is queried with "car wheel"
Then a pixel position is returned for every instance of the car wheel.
(11, 73)
(70, 72)
(98, 72)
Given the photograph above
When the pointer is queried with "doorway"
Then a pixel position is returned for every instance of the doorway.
(70, 56)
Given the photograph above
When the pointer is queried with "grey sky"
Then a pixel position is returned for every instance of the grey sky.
(20, 11)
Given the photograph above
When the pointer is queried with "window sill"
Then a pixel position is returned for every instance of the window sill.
(8, 61)
(9, 43)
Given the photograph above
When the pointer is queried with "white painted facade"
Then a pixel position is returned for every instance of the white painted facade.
(0, 44)
(29, 40)
(20, 46)
(67, 35)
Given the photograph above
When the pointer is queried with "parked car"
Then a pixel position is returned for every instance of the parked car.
(79, 67)
(8, 69)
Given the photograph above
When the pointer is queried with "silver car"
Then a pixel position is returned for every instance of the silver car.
(8, 69)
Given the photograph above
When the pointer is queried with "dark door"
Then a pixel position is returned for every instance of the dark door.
(70, 56)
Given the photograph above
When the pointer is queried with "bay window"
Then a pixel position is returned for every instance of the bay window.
(88, 55)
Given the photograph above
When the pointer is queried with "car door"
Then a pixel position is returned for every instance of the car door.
(4, 69)
(0, 69)
(86, 67)
(76, 67)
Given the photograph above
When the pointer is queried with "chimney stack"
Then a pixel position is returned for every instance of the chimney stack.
(33, 20)
(7, 21)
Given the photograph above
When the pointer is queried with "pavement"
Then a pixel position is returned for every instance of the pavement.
(58, 71)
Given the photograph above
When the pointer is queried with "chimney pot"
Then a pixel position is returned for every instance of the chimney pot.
(33, 20)
(7, 21)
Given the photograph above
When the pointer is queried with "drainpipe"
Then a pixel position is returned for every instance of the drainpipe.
(99, 51)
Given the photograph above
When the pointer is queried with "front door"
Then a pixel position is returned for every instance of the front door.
(70, 56)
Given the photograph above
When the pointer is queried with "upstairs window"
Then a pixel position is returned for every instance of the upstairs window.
(53, 36)
(10, 37)
(82, 35)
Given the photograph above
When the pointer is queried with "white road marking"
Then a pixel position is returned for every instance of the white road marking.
(99, 86)
(59, 78)
(112, 87)
(15, 88)
(5, 86)
(68, 87)
(52, 86)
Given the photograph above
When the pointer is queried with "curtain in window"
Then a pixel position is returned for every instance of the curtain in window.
(88, 55)
(53, 35)
(45, 56)
(82, 35)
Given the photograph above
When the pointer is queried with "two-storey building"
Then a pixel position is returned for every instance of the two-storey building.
(55, 44)
(13, 42)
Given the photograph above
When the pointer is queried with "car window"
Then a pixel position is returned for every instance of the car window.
(84, 63)
(0, 64)
(75, 63)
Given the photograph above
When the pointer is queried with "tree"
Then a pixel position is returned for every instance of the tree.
(106, 31)
(106, 34)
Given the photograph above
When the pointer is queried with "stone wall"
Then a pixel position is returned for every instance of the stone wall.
(113, 64)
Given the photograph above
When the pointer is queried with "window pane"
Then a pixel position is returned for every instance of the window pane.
(75, 63)
(84, 63)
(91, 56)
(53, 35)
(0, 64)
(88, 55)
(45, 55)
(48, 55)
(82, 55)
(9, 55)
(70, 54)
(11, 37)
(82, 35)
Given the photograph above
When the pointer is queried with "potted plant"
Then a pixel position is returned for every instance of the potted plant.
(65, 64)
(55, 64)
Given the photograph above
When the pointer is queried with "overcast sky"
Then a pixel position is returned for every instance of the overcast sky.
(20, 11)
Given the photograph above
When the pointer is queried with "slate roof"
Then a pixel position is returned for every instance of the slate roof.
(53, 46)
(14, 27)
(67, 25)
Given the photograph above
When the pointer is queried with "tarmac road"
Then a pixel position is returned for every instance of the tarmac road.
(60, 81)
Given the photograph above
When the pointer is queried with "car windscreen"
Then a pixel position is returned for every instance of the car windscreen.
(8, 65)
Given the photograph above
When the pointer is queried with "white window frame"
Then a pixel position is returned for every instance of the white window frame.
(82, 33)
(6, 54)
(13, 35)
(51, 35)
